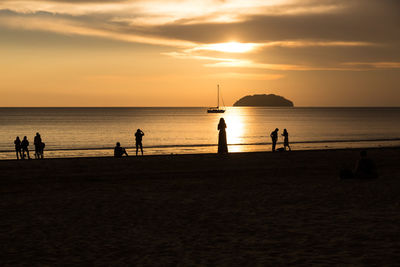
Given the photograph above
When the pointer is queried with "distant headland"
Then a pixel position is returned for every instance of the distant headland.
(263, 100)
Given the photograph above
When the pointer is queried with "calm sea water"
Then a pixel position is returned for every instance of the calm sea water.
(74, 132)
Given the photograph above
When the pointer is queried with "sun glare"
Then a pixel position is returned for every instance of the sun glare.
(230, 47)
(235, 127)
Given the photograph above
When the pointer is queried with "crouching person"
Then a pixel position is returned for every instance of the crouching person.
(365, 167)
(119, 151)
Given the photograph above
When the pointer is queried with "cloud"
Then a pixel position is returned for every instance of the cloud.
(219, 62)
(65, 1)
(69, 25)
(210, 21)
(248, 76)
(236, 47)
(355, 27)
(277, 34)
(375, 65)
(351, 66)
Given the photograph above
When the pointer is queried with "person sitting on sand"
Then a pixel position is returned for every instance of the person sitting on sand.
(274, 137)
(138, 138)
(286, 140)
(24, 146)
(17, 144)
(365, 167)
(119, 151)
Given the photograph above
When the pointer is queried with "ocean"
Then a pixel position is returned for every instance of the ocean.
(86, 132)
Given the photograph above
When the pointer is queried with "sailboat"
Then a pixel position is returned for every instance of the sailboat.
(216, 109)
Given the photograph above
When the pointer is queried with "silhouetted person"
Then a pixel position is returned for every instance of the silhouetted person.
(37, 141)
(24, 146)
(222, 144)
(42, 145)
(119, 151)
(365, 167)
(286, 140)
(138, 137)
(17, 143)
(274, 137)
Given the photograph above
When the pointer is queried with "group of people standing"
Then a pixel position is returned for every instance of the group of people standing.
(22, 147)
(274, 138)
(223, 146)
(22, 150)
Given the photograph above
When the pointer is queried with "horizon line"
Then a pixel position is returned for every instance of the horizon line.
(198, 106)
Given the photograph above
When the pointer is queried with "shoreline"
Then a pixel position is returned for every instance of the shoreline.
(239, 144)
(234, 148)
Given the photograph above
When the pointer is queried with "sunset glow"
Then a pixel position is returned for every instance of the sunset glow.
(174, 52)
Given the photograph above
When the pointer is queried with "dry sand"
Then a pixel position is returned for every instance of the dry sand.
(244, 209)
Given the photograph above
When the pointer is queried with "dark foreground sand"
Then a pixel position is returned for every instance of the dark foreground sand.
(244, 209)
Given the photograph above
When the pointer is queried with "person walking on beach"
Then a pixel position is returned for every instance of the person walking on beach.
(138, 137)
(37, 141)
(274, 137)
(222, 144)
(119, 151)
(17, 143)
(24, 146)
(286, 140)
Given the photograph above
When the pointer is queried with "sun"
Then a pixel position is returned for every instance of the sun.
(230, 47)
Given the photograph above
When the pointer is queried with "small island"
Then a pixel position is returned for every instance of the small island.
(263, 100)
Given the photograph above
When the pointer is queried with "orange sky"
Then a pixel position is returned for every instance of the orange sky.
(174, 53)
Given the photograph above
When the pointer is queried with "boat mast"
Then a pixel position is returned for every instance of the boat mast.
(218, 96)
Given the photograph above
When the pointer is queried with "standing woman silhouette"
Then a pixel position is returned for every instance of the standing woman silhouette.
(222, 145)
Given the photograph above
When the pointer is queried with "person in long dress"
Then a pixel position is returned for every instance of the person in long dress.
(222, 144)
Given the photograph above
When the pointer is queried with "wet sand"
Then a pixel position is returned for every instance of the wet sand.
(243, 209)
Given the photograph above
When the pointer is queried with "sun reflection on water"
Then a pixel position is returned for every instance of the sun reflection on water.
(236, 129)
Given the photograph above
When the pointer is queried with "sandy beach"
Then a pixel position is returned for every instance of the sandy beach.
(243, 209)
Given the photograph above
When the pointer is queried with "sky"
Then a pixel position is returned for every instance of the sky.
(175, 52)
